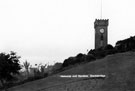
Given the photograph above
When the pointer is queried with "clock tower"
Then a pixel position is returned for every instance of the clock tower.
(101, 32)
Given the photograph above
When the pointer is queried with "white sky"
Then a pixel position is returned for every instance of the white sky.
(53, 30)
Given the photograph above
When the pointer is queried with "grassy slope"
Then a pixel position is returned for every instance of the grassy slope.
(119, 69)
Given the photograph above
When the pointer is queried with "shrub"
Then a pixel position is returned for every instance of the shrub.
(125, 45)
(80, 55)
(90, 58)
(108, 47)
(68, 62)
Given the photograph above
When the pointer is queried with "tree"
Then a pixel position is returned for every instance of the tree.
(9, 66)
(80, 55)
(90, 58)
(43, 68)
(26, 65)
(108, 47)
(69, 61)
(56, 67)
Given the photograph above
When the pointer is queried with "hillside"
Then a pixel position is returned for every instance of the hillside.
(118, 68)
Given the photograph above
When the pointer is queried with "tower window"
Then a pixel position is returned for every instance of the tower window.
(102, 37)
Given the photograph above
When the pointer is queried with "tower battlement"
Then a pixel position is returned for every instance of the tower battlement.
(101, 22)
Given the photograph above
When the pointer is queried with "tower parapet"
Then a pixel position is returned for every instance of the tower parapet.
(101, 22)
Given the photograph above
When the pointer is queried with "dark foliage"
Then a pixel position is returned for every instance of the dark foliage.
(57, 67)
(69, 61)
(93, 54)
(9, 66)
(80, 55)
(103, 51)
(80, 58)
(89, 58)
(97, 53)
(126, 45)
(108, 47)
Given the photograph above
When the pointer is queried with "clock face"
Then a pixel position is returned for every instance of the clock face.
(102, 30)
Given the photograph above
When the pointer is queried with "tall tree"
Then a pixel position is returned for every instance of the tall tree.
(9, 66)
(26, 65)
(43, 68)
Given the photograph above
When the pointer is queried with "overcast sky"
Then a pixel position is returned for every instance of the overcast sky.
(53, 30)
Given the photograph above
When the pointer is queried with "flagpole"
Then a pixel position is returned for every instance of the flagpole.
(101, 10)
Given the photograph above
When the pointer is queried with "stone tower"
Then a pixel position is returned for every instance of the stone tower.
(101, 32)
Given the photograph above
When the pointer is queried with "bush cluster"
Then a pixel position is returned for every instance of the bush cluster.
(120, 46)
(78, 59)
(126, 45)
